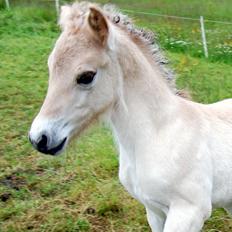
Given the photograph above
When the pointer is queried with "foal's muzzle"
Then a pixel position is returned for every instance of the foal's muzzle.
(43, 145)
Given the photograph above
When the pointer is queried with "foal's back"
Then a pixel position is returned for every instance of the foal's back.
(220, 142)
(222, 110)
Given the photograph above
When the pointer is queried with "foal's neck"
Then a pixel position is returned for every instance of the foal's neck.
(148, 101)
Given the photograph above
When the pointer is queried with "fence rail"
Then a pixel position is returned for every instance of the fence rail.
(201, 20)
(57, 4)
(176, 17)
(7, 4)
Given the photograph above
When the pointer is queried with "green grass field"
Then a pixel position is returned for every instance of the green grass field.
(176, 35)
(80, 191)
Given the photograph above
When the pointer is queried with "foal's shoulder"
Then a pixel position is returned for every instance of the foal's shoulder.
(223, 103)
(222, 110)
(222, 106)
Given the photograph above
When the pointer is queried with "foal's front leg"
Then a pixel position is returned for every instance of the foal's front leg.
(186, 217)
(156, 219)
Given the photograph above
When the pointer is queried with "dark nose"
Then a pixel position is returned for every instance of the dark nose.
(42, 144)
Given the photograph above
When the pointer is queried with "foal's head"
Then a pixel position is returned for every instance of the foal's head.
(95, 55)
(83, 75)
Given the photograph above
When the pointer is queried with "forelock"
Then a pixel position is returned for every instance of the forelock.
(72, 16)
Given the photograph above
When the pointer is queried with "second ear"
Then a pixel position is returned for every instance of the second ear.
(98, 24)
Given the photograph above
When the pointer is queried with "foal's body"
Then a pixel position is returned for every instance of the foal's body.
(178, 168)
(175, 155)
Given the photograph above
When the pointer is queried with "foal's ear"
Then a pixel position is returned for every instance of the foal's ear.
(64, 16)
(98, 24)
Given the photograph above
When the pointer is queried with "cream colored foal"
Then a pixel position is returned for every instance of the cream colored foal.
(175, 154)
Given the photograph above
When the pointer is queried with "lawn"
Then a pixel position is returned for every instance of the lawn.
(78, 191)
(182, 35)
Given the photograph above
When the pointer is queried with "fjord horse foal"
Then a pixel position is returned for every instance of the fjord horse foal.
(175, 154)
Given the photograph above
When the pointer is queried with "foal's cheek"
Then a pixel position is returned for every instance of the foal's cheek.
(102, 100)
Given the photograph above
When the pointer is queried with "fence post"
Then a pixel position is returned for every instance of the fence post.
(203, 35)
(57, 7)
(7, 4)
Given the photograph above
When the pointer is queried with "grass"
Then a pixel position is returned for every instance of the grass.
(78, 191)
(211, 9)
(176, 35)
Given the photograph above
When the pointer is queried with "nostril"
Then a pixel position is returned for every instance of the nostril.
(42, 144)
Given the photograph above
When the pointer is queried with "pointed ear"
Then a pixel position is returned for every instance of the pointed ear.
(64, 16)
(99, 25)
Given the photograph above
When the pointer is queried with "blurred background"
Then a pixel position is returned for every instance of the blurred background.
(79, 190)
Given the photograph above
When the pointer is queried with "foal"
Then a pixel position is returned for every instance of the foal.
(175, 154)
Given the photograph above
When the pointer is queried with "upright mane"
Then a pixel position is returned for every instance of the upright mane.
(145, 39)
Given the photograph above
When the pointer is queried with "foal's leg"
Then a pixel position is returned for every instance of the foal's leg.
(186, 217)
(156, 219)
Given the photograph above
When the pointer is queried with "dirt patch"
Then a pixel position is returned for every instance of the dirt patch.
(14, 181)
(90, 211)
(17, 179)
(110, 209)
(5, 197)
(98, 224)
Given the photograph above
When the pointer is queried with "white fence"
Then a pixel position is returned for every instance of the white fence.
(201, 20)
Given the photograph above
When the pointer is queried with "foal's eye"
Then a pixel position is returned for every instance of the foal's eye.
(86, 78)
